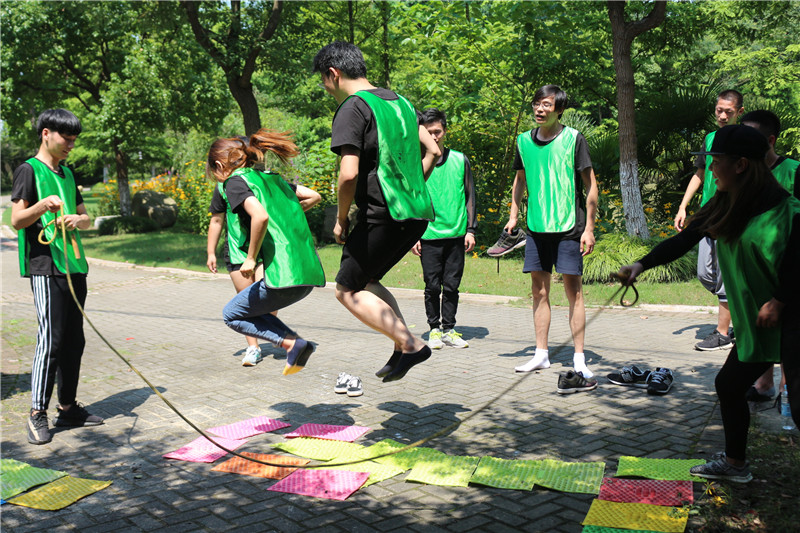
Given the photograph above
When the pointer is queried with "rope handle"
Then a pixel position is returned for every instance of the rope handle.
(623, 278)
(42, 238)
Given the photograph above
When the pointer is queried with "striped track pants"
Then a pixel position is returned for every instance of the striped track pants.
(59, 341)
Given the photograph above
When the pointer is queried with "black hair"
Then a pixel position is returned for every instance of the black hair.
(767, 122)
(341, 55)
(59, 120)
(552, 90)
(732, 95)
(432, 114)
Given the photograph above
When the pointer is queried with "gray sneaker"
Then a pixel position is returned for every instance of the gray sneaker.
(354, 387)
(630, 376)
(341, 383)
(453, 338)
(715, 341)
(722, 470)
(507, 242)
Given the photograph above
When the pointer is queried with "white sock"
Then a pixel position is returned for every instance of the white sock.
(579, 362)
(541, 359)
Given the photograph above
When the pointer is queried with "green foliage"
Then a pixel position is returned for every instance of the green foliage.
(126, 225)
(615, 250)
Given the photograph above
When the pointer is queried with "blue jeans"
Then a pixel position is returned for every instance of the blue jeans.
(249, 311)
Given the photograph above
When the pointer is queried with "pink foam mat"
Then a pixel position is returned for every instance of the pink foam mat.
(248, 428)
(654, 492)
(329, 484)
(200, 450)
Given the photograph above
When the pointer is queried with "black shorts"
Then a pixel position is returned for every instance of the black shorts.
(541, 254)
(371, 250)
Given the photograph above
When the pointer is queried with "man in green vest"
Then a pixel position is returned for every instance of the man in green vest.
(787, 172)
(728, 109)
(448, 238)
(553, 167)
(44, 196)
(385, 157)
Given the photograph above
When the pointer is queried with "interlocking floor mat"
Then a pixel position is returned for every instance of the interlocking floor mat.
(652, 491)
(248, 428)
(59, 493)
(330, 484)
(636, 516)
(237, 465)
(670, 469)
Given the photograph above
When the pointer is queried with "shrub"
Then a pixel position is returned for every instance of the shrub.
(614, 250)
(123, 225)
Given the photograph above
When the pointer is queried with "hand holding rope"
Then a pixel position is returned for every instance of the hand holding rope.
(626, 277)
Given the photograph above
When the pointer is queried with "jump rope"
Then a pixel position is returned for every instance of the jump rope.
(622, 290)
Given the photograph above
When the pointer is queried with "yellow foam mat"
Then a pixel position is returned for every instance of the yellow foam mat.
(59, 493)
(637, 516)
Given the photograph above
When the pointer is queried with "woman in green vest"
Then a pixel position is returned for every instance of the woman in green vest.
(756, 223)
(266, 224)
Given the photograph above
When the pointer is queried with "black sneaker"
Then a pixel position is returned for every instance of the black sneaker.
(660, 381)
(630, 376)
(715, 341)
(38, 429)
(571, 382)
(752, 395)
(76, 416)
(507, 242)
(722, 470)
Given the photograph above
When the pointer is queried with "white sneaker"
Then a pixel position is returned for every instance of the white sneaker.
(252, 356)
(354, 387)
(341, 383)
(453, 338)
(435, 339)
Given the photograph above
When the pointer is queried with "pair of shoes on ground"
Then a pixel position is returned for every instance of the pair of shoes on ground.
(450, 337)
(720, 469)
(715, 341)
(507, 242)
(571, 382)
(658, 382)
(252, 356)
(76, 416)
(347, 384)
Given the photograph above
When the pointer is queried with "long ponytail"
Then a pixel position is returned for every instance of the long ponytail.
(235, 152)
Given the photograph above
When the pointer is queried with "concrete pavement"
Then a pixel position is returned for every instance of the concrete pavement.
(169, 324)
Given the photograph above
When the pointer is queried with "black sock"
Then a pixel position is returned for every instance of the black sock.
(407, 360)
(390, 364)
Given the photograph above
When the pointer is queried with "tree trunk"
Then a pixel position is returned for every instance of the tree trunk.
(385, 6)
(351, 25)
(246, 100)
(124, 190)
(622, 35)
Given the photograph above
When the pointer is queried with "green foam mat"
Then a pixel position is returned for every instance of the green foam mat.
(667, 469)
(445, 470)
(584, 478)
(18, 477)
(405, 460)
(319, 449)
(517, 474)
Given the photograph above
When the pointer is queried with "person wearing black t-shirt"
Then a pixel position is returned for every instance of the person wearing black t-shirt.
(379, 139)
(42, 187)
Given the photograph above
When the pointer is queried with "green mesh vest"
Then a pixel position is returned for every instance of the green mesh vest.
(550, 177)
(749, 269)
(446, 187)
(785, 173)
(709, 185)
(399, 161)
(47, 184)
(287, 251)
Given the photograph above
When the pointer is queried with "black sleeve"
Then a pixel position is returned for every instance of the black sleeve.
(78, 197)
(517, 159)
(237, 192)
(24, 185)
(469, 190)
(582, 158)
(673, 248)
(788, 290)
(349, 126)
(218, 205)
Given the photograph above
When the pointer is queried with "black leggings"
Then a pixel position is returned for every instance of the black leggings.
(736, 377)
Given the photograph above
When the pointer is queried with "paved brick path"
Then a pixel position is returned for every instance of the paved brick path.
(169, 325)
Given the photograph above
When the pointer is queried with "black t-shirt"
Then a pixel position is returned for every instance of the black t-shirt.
(354, 125)
(24, 188)
(582, 162)
(218, 204)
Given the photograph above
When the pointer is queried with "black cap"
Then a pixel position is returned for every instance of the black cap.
(738, 140)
